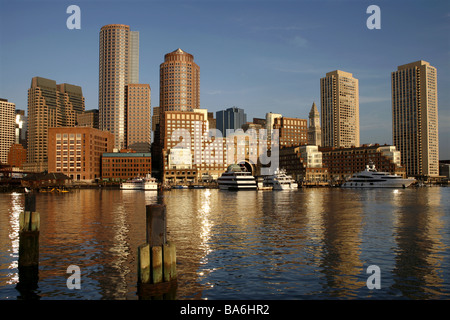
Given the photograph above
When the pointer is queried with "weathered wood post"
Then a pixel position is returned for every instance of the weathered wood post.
(157, 257)
(29, 225)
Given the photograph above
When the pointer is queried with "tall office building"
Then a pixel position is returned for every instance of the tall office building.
(118, 67)
(179, 82)
(339, 94)
(415, 117)
(7, 128)
(139, 131)
(50, 105)
(88, 118)
(314, 131)
(230, 119)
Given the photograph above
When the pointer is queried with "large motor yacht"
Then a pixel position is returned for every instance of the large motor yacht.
(280, 181)
(371, 178)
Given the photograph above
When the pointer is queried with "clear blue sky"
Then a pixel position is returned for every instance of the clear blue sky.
(261, 56)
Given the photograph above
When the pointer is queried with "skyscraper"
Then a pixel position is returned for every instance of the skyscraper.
(415, 117)
(179, 82)
(314, 131)
(50, 105)
(231, 118)
(138, 117)
(118, 66)
(339, 94)
(7, 128)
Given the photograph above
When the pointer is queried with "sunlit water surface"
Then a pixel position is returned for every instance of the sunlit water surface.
(302, 244)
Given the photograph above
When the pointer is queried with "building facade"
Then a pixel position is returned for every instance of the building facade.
(304, 164)
(188, 153)
(270, 120)
(7, 128)
(415, 117)
(339, 95)
(118, 67)
(49, 106)
(126, 165)
(314, 131)
(89, 118)
(76, 152)
(179, 82)
(20, 134)
(139, 131)
(292, 131)
(230, 119)
(17, 155)
(342, 163)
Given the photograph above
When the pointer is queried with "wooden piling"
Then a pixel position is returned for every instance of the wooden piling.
(156, 264)
(157, 257)
(170, 263)
(29, 226)
(156, 224)
(144, 263)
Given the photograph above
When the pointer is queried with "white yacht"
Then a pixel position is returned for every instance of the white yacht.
(138, 183)
(280, 181)
(237, 178)
(371, 178)
(150, 183)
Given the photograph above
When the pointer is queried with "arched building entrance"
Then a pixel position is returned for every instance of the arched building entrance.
(248, 165)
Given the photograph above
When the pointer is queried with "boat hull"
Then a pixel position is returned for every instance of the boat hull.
(404, 183)
(292, 186)
(139, 186)
(237, 187)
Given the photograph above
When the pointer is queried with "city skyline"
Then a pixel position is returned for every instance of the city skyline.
(268, 58)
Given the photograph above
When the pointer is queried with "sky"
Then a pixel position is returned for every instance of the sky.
(258, 55)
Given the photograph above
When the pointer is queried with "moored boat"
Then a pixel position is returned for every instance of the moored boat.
(371, 178)
(138, 183)
(279, 180)
(237, 178)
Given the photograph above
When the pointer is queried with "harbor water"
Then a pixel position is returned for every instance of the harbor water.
(311, 243)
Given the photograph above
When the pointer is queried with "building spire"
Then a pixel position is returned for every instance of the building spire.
(314, 110)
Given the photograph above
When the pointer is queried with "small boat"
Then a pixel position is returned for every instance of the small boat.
(179, 187)
(280, 181)
(371, 178)
(150, 183)
(237, 178)
(138, 183)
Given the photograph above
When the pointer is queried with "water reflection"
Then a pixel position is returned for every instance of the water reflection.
(310, 243)
(419, 236)
(17, 206)
(341, 262)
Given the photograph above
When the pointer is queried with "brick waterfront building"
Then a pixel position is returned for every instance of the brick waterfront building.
(77, 151)
(342, 163)
(126, 164)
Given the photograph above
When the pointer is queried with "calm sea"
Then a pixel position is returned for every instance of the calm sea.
(302, 244)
